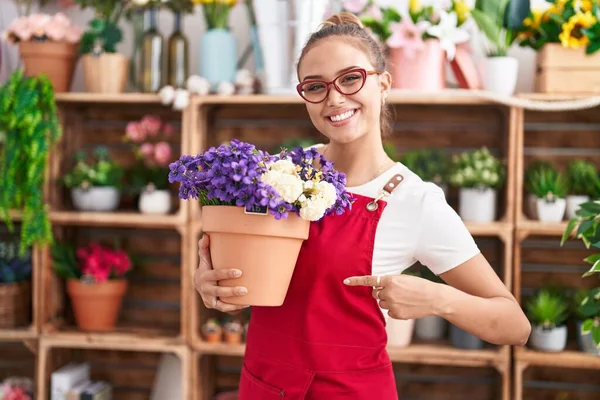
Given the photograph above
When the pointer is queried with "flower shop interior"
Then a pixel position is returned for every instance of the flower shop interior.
(495, 101)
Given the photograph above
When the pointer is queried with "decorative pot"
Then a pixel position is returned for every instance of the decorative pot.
(430, 328)
(399, 331)
(477, 205)
(425, 70)
(218, 56)
(462, 339)
(96, 305)
(586, 342)
(56, 60)
(553, 339)
(551, 211)
(573, 203)
(105, 198)
(105, 73)
(155, 202)
(499, 74)
(266, 251)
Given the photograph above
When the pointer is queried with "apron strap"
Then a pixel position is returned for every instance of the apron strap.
(387, 190)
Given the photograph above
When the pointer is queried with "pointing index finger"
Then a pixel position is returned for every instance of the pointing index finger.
(367, 280)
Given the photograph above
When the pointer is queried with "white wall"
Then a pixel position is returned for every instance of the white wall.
(194, 28)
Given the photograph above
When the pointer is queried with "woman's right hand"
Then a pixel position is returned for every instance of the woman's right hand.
(206, 281)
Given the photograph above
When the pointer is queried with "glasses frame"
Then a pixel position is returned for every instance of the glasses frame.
(365, 74)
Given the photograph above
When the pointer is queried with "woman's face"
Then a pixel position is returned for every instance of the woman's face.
(343, 118)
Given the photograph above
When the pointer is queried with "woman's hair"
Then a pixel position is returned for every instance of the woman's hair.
(348, 25)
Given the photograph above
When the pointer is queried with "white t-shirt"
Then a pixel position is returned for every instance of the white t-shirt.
(417, 225)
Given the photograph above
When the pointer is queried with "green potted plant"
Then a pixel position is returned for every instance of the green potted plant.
(431, 165)
(95, 186)
(587, 308)
(533, 170)
(479, 175)
(15, 286)
(583, 180)
(548, 312)
(550, 188)
(29, 127)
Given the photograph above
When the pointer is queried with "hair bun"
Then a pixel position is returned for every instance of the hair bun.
(343, 18)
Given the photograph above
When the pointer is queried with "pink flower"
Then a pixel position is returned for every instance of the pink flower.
(168, 130)
(151, 125)
(56, 31)
(374, 12)
(16, 394)
(147, 150)
(407, 35)
(38, 23)
(355, 6)
(134, 132)
(21, 29)
(162, 153)
(73, 34)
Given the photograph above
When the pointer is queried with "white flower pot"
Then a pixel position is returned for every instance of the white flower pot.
(399, 332)
(477, 205)
(586, 342)
(532, 206)
(155, 202)
(430, 328)
(499, 74)
(104, 198)
(554, 339)
(551, 211)
(573, 203)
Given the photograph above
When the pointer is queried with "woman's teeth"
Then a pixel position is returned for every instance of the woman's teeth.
(341, 117)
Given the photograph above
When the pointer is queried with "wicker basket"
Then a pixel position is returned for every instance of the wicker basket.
(15, 304)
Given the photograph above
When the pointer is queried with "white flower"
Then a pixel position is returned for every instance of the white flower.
(167, 95)
(285, 165)
(182, 99)
(448, 33)
(198, 85)
(244, 77)
(309, 185)
(226, 89)
(326, 191)
(313, 209)
(289, 187)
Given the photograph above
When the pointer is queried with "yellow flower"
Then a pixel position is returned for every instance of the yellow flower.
(414, 6)
(534, 20)
(462, 10)
(571, 35)
(203, 1)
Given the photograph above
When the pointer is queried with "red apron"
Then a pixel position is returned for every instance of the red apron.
(328, 340)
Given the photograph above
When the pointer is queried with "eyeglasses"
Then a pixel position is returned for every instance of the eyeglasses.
(348, 83)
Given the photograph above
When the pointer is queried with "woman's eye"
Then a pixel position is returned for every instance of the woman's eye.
(314, 87)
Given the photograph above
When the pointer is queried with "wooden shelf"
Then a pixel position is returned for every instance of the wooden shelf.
(18, 334)
(499, 228)
(528, 227)
(120, 219)
(563, 359)
(111, 340)
(95, 98)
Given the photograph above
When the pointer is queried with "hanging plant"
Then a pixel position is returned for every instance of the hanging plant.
(29, 125)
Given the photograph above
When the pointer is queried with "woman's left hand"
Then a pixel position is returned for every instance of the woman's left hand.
(405, 296)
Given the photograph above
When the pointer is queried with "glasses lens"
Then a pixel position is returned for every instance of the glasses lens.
(350, 83)
(314, 91)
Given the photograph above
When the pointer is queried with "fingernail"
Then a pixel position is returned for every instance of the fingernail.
(346, 281)
(237, 272)
(243, 290)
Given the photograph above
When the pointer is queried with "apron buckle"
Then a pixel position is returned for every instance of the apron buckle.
(387, 190)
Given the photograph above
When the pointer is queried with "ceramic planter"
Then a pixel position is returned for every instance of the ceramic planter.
(424, 70)
(573, 203)
(218, 56)
(399, 332)
(499, 74)
(105, 73)
(55, 59)
(430, 328)
(96, 305)
(155, 202)
(462, 339)
(586, 342)
(477, 205)
(104, 198)
(551, 211)
(552, 339)
(266, 251)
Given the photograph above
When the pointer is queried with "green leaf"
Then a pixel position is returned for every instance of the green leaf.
(596, 336)
(587, 326)
(593, 47)
(516, 12)
(591, 206)
(586, 227)
(594, 270)
(493, 9)
(487, 25)
(568, 231)
(592, 259)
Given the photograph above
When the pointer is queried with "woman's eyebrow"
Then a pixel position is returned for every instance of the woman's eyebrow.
(319, 76)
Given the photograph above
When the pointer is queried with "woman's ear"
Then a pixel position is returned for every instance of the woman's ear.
(385, 82)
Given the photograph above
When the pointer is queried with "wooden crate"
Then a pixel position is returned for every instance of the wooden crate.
(131, 368)
(564, 70)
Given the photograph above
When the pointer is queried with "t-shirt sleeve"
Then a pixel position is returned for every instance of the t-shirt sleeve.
(444, 241)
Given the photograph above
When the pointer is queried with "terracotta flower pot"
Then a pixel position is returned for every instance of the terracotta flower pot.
(56, 60)
(263, 248)
(105, 73)
(424, 70)
(96, 305)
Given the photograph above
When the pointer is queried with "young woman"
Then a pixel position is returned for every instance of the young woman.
(328, 340)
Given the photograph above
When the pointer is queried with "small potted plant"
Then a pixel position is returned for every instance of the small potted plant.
(587, 314)
(548, 312)
(533, 170)
(15, 286)
(212, 331)
(582, 179)
(431, 165)
(96, 277)
(233, 331)
(479, 175)
(95, 186)
(17, 388)
(550, 189)
(149, 176)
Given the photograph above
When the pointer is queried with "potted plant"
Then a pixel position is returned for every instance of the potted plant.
(479, 175)
(550, 189)
(29, 128)
(587, 308)
(15, 286)
(95, 186)
(548, 312)
(47, 45)
(532, 171)
(500, 21)
(149, 177)
(96, 277)
(233, 331)
(105, 69)
(431, 165)
(212, 331)
(583, 180)
(253, 201)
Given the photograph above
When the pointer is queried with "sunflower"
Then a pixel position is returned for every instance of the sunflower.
(556, 9)
(534, 21)
(572, 35)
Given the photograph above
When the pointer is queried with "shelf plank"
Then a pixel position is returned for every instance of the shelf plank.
(499, 228)
(18, 334)
(111, 340)
(118, 98)
(533, 227)
(563, 359)
(119, 218)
